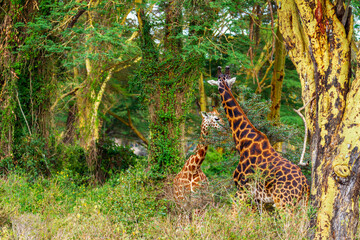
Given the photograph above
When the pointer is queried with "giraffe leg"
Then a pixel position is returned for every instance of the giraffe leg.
(239, 200)
(284, 203)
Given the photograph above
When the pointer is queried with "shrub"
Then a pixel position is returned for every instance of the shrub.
(114, 158)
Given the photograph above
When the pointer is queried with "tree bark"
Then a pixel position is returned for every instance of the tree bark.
(7, 84)
(22, 78)
(277, 79)
(254, 31)
(318, 41)
(202, 93)
(277, 82)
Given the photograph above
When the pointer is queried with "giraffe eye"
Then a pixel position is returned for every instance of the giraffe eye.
(217, 119)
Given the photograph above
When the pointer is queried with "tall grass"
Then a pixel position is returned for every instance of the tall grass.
(130, 206)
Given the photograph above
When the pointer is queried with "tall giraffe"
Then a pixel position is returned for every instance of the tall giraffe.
(283, 182)
(191, 177)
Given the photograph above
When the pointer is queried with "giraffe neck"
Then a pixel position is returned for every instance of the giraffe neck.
(244, 133)
(194, 162)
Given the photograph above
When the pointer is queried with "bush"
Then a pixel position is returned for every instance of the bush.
(114, 158)
(61, 208)
(35, 156)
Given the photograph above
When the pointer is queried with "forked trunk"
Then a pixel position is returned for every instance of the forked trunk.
(319, 46)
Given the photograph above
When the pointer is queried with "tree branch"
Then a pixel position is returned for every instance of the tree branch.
(134, 59)
(76, 17)
(64, 96)
(261, 83)
(22, 112)
(301, 163)
(130, 125)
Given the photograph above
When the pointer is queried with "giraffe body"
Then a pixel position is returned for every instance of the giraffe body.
(282, 182)
(191, 177)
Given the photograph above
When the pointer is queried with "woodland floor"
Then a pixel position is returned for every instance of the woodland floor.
(129, 205)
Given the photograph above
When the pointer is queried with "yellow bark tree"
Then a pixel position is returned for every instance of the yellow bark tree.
(277, 82)
(202, 93)
(94, 69)
(317, 35)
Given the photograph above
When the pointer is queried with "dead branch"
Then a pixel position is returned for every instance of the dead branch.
(22, 112)
(261, 83)
(130, 125)
(298, 111)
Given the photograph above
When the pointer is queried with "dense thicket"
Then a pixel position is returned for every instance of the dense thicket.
(77, 74)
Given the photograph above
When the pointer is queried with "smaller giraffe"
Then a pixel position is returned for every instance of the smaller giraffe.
(191, 177)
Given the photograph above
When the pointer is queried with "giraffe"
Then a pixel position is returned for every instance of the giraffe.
(284, 185)
(191, 177)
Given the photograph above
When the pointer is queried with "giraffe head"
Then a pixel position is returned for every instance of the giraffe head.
(210, 119)
(223, 77)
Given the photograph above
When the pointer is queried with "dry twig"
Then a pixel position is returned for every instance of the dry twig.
(298, 111)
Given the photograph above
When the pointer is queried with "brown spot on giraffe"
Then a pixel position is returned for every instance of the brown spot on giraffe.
(191, 177)
(284, 183)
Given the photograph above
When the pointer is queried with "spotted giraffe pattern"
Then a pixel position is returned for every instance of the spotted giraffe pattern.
(191, 177)
(282, 183)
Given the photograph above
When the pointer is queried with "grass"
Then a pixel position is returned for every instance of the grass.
(129, 206)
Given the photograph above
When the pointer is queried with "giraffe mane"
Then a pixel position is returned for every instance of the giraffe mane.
(237, 104)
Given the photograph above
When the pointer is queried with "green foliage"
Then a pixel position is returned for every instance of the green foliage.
(35, 156)
(166, 89)
(125, 202)
(73, 160)
(220, 165)
(44, 58)
(134, 199)
(114, 158)
(7, 119)
(127, 206)
(257, 110)
(38, 158)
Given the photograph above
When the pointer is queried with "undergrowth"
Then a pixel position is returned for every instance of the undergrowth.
(129, 206)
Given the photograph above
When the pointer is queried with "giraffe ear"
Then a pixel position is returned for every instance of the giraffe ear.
(231, 81)
(213, 82)
(204, 114)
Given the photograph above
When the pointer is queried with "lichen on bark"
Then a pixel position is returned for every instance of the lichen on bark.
(318, 43)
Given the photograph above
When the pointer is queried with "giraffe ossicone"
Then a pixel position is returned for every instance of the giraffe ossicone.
(283, 182)
(230, 82)
(191, 177)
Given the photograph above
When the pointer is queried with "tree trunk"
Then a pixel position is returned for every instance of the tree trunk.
(89, 97)
(7, 84)
(318, 35)
(277, 82)
(168, 75)
(202, 93)
(254, 31)
(7, 115)
(277, 79)
(166, 85)
(24, 80)
(69, 134)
